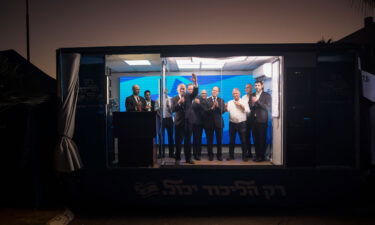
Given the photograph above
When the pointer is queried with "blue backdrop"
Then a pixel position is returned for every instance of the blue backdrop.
(225, 82)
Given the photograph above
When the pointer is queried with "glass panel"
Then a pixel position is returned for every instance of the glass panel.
(134, 86)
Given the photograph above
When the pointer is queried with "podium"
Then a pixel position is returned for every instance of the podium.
(135, 133)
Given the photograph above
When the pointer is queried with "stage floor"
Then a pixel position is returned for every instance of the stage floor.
(170, 162)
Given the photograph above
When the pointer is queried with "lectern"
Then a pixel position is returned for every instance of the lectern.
(135, 133)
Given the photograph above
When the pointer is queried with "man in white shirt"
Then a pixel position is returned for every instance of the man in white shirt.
(237, 109)
(249, 119)
(166, 124)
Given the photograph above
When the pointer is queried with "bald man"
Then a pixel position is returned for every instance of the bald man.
(200, 122)
(181, 106)
(135, 103)
(216, 123)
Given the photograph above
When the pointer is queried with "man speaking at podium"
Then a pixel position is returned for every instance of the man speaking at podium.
(181, 106)
(135, 103)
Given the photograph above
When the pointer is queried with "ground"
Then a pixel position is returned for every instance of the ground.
(290, 217)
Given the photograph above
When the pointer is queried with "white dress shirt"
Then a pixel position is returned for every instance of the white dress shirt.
(236, 114)
(257, 95)
(246, 99)
(167, 110)
(148, 103)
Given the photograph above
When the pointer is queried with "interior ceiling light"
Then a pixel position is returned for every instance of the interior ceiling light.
(235, 59)
(138, 62)
(258, 58)
(212, 66)
(187, 64)
(218, 60)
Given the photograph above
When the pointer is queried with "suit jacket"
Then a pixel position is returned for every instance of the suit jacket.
(131, 103)
(199, 112)
(260, 110)
(183, 111)
(215, 115)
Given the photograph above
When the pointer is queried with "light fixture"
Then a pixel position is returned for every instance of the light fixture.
(192, 66)
(258, 58)
(212, 66)
(187, 64)
(138, 62)
(218, 60)
(235, 59)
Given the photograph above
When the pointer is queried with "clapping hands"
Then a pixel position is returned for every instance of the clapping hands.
(182, 100)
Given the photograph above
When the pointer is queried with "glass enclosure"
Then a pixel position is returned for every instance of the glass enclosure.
(206, 81)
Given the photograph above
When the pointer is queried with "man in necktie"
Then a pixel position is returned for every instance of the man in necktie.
(181, 106)
(134, 102)
(200, 121)
(249, 118)
(216, 123)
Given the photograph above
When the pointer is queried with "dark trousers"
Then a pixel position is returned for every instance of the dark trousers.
(249, 125)
(235, 128)
(183, 132)
(218, 131)
(260, 134)
(197, 140)
(167, 125)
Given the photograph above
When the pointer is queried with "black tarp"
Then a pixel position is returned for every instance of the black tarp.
(28, 112)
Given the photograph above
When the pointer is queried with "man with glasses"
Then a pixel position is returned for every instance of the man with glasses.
(200, 109)
(215, 118)
(249, 118)
(181, 106)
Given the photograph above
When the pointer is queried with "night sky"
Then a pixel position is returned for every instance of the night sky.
(78, 23)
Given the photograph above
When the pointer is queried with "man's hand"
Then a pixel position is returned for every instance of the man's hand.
(181, 101)
(238, 104)
(196, 100)
(254, 99)
(215, 105)
(194, 78)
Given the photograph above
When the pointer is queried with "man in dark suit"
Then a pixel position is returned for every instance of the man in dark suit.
(249, 119)
(200, 122)
(260, 107)
(150, 104)
(216, 109)
(135, 103)
(181, 106)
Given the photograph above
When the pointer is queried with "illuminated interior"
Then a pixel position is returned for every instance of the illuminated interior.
(154, 73)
